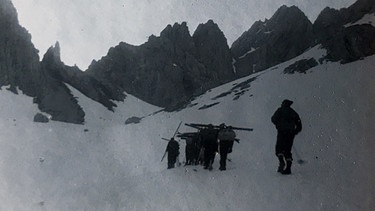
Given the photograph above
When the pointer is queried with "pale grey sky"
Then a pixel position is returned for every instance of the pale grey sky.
(86, 29)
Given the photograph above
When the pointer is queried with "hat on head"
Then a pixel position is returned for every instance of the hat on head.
(287, 102)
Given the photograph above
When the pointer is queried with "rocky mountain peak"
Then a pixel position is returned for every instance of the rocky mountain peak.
(213, 51)
(285, 35)
(285, 12)
(176, 31)
(288, 19)
(53, 53)
(211, 29)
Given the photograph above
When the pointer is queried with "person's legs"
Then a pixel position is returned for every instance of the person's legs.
(288, 139)
(171, 160)
(212, 159)
(282, 162)
(280, 150)
(223, 160)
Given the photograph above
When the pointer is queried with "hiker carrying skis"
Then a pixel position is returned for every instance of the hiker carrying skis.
(226, 138)
(210, 144)
(288, 124)
(173, 149)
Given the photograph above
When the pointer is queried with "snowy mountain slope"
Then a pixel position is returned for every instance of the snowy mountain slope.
(335, 103)
(367, 19)
(107, 165)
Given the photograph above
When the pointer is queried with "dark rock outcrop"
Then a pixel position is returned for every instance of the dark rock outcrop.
(133, 120)
(19, 60)
(287, 34)
(54, 97)
(214, 53)
(301, 66)
(73, 76)
(21, 70)
(39, 117)
(344, 40)
(351, 43)
(357, 10)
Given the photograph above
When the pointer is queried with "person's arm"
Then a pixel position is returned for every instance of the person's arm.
(275, 117)
(298, 125)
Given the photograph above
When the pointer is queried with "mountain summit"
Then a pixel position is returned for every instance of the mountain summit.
(286, 35)
(170, 69)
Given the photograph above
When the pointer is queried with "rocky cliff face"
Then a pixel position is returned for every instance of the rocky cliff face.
(20, 69)
(214, 53)
(151, 72)
(54, 97)
(344, 40)
(287, 34)
(19, 60)
(73, 76)
(170, 69)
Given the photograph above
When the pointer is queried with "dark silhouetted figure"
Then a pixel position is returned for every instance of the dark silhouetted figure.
(198, 153)
(173, 149)
(226, 138)
(200, 148)
(288, 124)
(210, 144)
(190, 151)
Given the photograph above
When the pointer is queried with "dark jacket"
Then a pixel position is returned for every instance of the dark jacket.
(173, 148)
(209, 137)
(286, 120)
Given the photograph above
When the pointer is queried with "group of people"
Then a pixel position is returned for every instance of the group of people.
(202, 147)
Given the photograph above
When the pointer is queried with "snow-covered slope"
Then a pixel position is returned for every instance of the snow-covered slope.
(107, 165)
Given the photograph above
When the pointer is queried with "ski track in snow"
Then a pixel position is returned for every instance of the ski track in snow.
(107, 165)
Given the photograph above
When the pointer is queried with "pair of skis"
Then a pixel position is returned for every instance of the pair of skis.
(200, 126)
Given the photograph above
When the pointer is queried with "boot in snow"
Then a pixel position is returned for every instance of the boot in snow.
(287, 170)
(281, 163)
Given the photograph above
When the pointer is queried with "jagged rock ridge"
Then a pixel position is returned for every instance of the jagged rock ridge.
(171, 69)
(286, 35)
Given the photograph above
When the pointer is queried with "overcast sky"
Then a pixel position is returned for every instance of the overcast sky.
(86, 29)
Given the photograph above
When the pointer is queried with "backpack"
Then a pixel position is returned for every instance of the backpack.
(227, 134)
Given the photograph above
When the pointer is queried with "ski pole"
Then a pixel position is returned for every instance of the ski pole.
(177, 129)
(163, 156)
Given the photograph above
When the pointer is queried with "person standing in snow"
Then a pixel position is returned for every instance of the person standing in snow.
(173, 149)
(210, 144)
(190, 151)
(226, 138)
(288, 124)
(197, 149)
